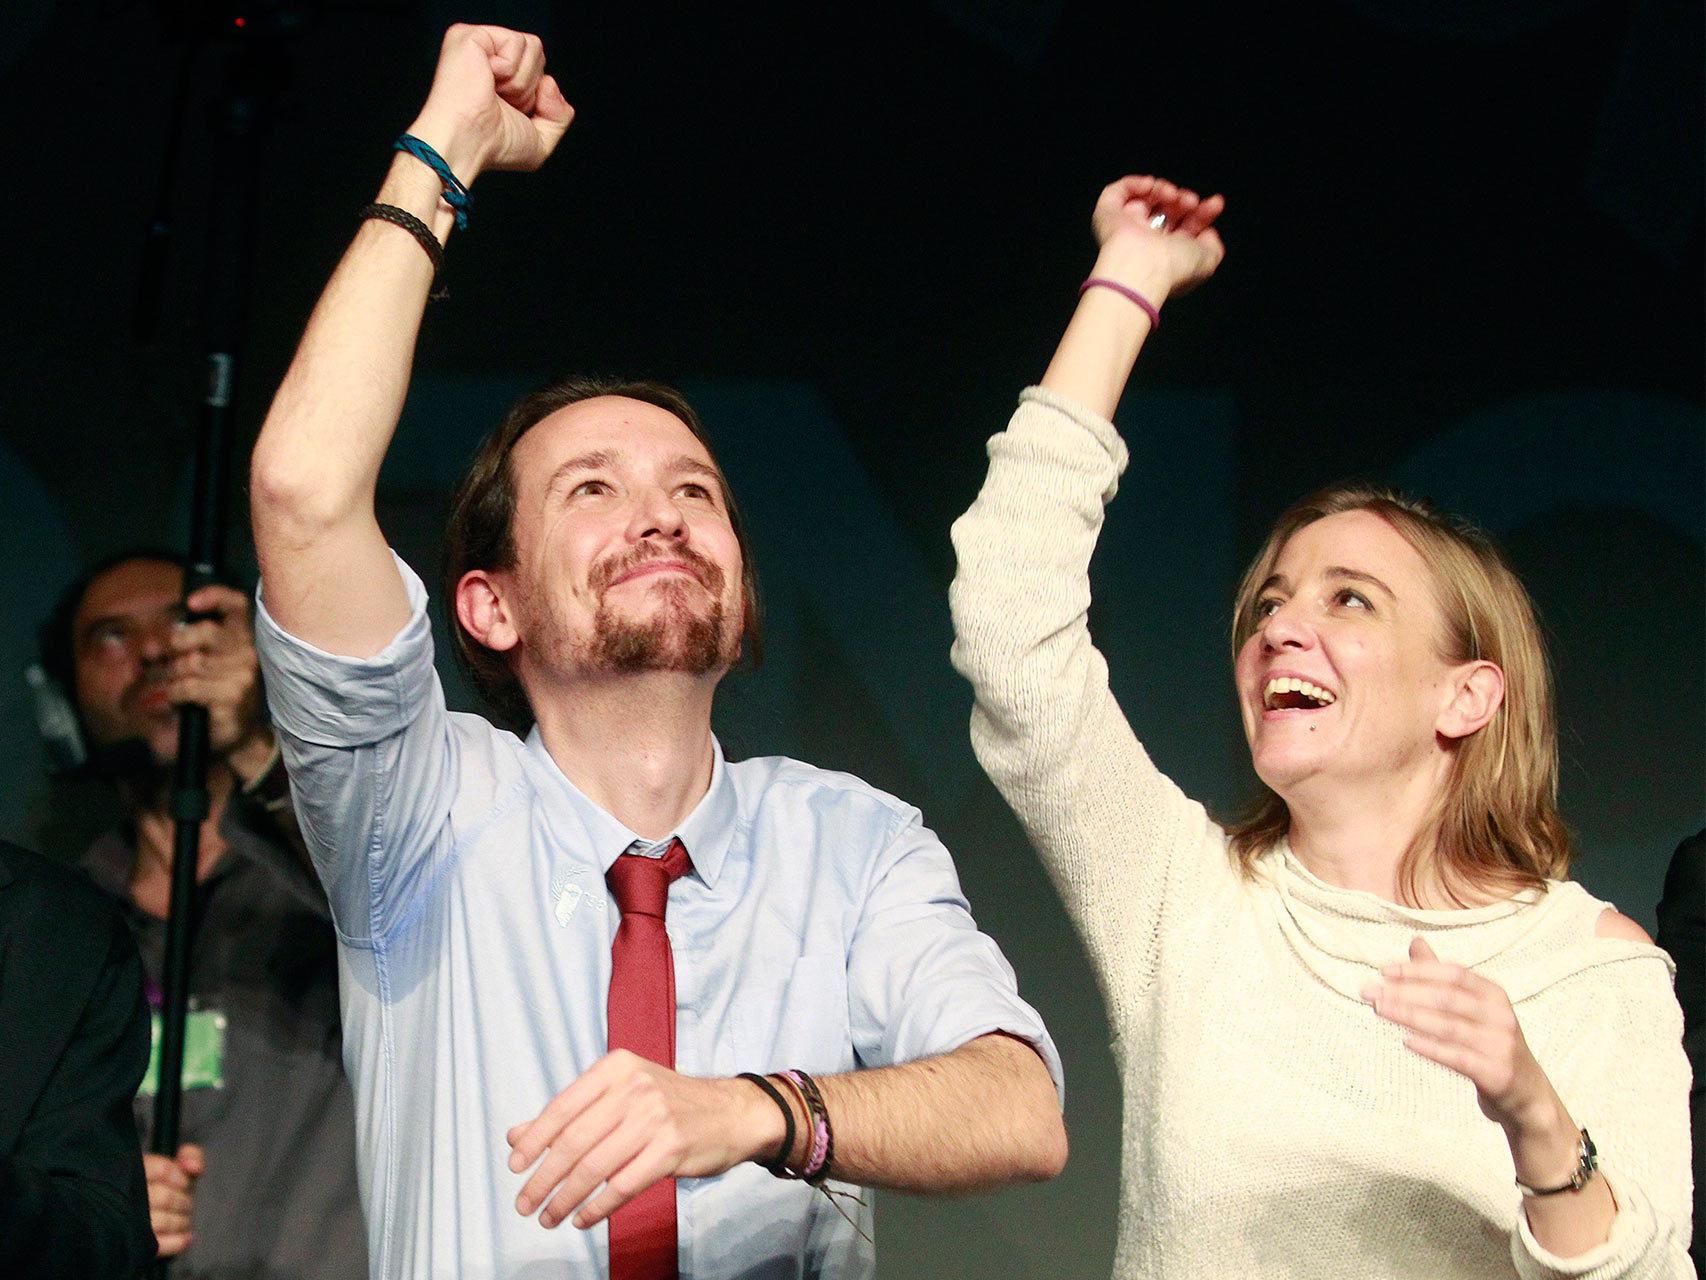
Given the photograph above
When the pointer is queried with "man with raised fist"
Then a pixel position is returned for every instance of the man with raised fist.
(600, 974)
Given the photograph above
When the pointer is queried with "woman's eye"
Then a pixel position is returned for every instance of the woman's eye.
(1353, 599)
(1266, 608)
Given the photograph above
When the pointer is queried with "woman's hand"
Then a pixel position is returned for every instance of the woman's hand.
(1172, 258)
(1460, 1020)
(1179, 252)
(1464, 1022)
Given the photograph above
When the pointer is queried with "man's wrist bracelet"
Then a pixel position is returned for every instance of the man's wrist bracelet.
(415, 227)
(822, 1153)
(456, 194)
(777, 1164)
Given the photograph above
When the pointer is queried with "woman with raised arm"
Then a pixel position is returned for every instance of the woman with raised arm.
(1370, 1030)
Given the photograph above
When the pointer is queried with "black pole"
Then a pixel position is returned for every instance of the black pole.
(225, 295)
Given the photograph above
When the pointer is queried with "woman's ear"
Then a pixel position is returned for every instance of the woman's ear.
(1477, 691)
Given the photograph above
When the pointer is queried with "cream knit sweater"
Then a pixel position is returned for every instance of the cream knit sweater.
(1274, 1126)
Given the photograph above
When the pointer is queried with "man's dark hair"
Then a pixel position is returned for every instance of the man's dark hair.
(57, 641)
(481, 531)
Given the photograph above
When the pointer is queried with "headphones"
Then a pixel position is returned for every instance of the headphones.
(57, 720)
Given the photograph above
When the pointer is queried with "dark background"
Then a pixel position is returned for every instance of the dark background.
(1464, 256)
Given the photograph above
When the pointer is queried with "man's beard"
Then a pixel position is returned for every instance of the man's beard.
(674, 638)
(121, 745)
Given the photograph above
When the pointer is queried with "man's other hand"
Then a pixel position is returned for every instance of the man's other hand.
(628, 1122)
(214, 665)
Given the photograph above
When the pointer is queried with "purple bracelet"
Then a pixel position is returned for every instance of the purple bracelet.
(820, 1149)
(820, 1130)
(1125, 291)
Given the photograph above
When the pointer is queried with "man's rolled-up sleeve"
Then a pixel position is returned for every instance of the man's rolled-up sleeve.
(922, 979)
(371, 758)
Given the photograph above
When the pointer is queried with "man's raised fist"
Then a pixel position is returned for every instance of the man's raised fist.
(492, 106)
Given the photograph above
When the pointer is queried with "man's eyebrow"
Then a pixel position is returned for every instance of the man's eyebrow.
(1357, 575)
(92, 625)
(693, 466)
(594, 461)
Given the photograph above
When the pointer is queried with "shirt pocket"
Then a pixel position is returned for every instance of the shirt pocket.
(795, 1016)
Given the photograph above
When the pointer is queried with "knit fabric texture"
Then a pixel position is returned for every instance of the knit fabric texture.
(1273, 1125)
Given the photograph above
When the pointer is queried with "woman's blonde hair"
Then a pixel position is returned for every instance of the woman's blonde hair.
(1495, 828)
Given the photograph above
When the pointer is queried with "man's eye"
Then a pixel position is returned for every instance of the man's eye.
(108, 636)
(695, 491)
(588, 487)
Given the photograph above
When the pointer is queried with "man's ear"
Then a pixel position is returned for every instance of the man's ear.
(1477, 691)
(482, 611)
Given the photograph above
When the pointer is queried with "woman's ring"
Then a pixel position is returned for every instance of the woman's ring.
(1159, 222)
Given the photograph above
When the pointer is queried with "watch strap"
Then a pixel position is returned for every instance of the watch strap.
(1587, 1161)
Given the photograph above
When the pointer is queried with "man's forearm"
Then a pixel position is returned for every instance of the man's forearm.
(317, 461)
(332, 419)
(329, 577)
(982, 1116)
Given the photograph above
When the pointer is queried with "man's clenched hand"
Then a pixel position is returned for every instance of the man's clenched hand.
(492, 106)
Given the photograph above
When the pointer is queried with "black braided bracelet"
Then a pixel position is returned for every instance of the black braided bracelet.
(415, 227)
(778, 1165)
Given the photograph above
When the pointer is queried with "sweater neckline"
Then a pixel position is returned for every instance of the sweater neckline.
(1343, 935)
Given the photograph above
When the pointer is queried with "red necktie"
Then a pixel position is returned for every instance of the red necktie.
(642, 1020)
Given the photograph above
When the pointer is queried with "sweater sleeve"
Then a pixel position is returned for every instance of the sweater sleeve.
(1629, 1088)
(1124, 846)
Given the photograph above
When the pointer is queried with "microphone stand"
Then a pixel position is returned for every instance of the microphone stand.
(252, 68)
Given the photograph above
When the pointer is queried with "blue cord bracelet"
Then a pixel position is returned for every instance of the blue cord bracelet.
(456, 195)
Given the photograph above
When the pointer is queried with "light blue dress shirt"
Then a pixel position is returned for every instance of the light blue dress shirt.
(822, 927)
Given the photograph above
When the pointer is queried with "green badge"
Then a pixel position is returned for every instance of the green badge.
(204, 1052)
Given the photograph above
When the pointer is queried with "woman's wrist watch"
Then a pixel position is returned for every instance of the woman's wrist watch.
(1587, 1160)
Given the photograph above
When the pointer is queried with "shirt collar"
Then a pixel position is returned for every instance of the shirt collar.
(705, 833)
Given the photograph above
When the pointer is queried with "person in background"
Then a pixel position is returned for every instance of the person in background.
(73, 1047)
(265, 1181)
(1371, 1030)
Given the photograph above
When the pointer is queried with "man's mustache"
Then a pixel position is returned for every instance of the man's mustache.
(152, 678)
(709, 574)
